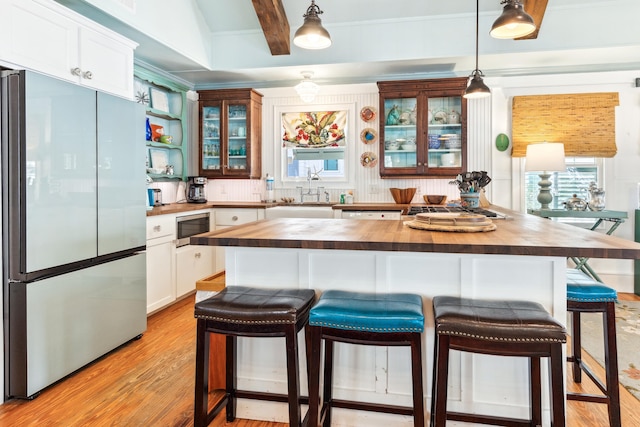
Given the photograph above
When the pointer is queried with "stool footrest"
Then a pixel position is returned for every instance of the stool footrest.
(595, 398)
(482, 419)
(219, 406)
(366, 406)
(271, 397)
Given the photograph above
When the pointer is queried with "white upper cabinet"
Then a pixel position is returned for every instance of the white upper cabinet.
(44, 36)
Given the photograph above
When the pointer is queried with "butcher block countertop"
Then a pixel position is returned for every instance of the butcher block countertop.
(521, 234)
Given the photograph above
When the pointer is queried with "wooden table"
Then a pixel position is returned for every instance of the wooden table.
(614, 217)
(525, 258)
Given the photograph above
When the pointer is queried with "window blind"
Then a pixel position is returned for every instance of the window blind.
(584, 122)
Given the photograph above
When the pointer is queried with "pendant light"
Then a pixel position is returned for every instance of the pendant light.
(476, 87)
(513, 23)
(312, 35)
(306, 89)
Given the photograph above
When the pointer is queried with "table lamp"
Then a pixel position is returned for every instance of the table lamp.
(544, 158)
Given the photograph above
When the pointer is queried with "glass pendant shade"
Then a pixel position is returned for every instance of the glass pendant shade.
(513, 23)
(306, 89)
(312, 35)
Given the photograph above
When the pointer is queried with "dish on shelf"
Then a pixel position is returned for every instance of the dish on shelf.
(368, 136)
(159, 158)
(367, 114)
(391, 145)
(440, 117)
(408, 146)
(368, 159)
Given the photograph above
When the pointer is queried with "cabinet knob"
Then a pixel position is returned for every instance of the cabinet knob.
(234, 218)
(157, 228)
(198, 254)
(87, 75)
(76, 71)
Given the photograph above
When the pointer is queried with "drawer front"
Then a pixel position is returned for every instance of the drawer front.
(235, 216)
(161, 226)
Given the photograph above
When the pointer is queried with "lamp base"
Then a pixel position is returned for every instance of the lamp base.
(545, 197)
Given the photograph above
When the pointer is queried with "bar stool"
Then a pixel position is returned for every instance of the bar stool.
(586, 295)
(392, 319)
(249, 312)
(501, 328)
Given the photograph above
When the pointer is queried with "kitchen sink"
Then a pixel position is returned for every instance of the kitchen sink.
(304, 210)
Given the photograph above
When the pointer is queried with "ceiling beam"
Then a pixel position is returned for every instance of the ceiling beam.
(275, 25)
(535, 8)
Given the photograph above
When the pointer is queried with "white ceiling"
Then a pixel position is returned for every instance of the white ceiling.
(398, 39)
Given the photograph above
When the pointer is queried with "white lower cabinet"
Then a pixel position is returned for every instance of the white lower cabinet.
(161, 285)
(192, 264)
(228, 218)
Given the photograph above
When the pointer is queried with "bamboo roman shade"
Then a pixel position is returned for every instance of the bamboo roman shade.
(585, 123)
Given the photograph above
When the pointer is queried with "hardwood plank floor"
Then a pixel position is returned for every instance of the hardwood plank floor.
(149, 382)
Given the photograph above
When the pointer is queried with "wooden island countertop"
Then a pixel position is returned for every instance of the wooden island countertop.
(519, 234)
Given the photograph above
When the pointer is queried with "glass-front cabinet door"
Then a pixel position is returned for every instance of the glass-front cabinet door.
(210, 153)
(230, 132)
(422, 128)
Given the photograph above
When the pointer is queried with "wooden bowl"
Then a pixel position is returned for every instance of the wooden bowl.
(434, 199)
(403, 196)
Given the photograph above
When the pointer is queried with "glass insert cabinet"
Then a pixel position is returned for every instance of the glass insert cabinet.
(230, 133)
(423, 128)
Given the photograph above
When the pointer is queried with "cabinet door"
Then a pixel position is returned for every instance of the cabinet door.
(235, 138)
(161, 289)
(105, 63)
(210, 138)
(445, 137)
(55, 53)
(399, 132)
(192, 264)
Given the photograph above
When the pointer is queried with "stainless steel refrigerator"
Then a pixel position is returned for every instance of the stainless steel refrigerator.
(73, 227)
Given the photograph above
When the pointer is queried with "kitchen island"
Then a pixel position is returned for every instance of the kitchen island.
(524, 258)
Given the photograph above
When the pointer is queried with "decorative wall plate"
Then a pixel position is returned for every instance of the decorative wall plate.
(502, 142)
(368, 159)
(368, 135)
(368, 114)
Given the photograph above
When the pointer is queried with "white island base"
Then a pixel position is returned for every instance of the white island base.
(477, 383)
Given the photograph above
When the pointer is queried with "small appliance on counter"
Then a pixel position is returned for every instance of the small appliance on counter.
(196, 189)
(156, 196)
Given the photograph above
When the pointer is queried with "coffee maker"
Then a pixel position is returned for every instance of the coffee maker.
(196, 189)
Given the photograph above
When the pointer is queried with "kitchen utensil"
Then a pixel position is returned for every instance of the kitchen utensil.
(435, 199)
(575, 203)
(403, 195)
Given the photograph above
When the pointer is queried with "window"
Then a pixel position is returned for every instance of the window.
(580, 172)
(319, 142)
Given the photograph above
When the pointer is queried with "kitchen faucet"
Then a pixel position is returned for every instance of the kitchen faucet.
(310, 192)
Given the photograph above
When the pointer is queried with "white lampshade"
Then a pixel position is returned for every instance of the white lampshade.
(306, 89)
(547, 157)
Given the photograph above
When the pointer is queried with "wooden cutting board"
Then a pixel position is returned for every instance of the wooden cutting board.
(450, 221)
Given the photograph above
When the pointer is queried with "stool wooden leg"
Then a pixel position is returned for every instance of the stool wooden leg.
(293, 376)
(327, 393)
(556, 386)
(416, 370)
(231, 359)
(200, 408)
(314, 344)
(535, 393)
(611, 364)
(440, 378)
(576, 347)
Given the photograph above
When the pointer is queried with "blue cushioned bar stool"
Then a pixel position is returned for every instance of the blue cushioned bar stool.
(500, 328)
(585, 295)
(391, 319)
(241, 311)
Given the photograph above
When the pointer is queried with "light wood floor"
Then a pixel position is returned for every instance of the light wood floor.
(149, 382)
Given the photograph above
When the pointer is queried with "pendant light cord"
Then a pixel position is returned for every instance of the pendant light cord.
(477, 25)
